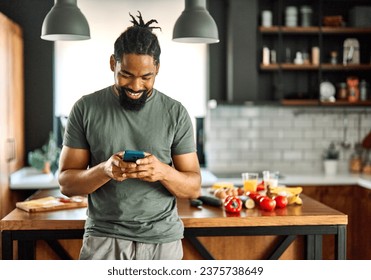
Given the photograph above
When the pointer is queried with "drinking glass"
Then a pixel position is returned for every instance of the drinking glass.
(250, 181)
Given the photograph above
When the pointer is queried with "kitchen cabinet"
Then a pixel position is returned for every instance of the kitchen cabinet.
(297, 81)
(362, 216)
(11, 110)
(355, 201)
(236, 72)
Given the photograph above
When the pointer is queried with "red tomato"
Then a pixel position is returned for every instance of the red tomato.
(255, 196)
(267, 204)
(64, 200)
(281, 201)
(260, 187)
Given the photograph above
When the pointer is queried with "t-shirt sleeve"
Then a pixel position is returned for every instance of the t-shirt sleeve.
(184, 141)
(74, 135)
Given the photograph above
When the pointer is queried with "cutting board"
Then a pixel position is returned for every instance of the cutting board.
(51, 203)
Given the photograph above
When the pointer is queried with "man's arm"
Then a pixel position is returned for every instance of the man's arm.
(183, 180)
(75, 178)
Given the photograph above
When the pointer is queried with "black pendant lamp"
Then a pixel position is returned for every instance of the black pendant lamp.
(195, 24)
(65, 22)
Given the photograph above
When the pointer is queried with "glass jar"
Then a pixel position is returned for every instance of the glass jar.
(342, 91)
(355, 162)
(306, 15)
(291, 16)
(367, 165)
(363, 90)
(353, 89)
(334, 57)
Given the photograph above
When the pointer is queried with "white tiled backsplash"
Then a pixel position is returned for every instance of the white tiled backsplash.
(287, 139)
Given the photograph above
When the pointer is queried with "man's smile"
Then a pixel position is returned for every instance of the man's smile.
(134, 95)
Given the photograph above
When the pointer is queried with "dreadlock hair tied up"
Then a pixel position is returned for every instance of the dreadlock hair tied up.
(138, 39)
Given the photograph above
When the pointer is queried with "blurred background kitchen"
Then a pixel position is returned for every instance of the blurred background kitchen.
(287, 88)
(253, 114)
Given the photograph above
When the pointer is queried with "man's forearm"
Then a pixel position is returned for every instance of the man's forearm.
(82, 182)
(186, 184)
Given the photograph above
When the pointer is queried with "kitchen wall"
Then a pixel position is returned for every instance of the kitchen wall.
(38, 68)
(57, 74)
(288, 139)
(82, 67)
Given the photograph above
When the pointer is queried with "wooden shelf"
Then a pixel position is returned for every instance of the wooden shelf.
(288, 66)
(349, 67)
(324, 67)
(345, 30)
(300, 102)
(309, 102)
(314, 30)
(284, 29)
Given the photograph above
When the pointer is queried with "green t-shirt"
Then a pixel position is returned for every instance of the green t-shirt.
(133, 209)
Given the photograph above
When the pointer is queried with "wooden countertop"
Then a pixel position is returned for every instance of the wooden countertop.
(310, 213)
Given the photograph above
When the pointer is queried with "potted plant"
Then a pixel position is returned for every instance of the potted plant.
(46, 158)
(330, 159)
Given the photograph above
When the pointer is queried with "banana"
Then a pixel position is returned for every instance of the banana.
(294, 199)
(222, 185)
(288, 191)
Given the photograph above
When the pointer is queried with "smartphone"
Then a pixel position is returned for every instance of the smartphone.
(132, 156)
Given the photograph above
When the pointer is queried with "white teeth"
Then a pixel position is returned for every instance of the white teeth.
(134, 94)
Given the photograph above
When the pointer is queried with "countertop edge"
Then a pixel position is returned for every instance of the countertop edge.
(208, 178)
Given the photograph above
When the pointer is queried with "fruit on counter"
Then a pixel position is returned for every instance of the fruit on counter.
(264, 202)
(267, 203)
(281, 201)
(294, 199)
(260, 187)
(292, 194)
(232, 204)
(288, 191)
(255, 196)
(222, 185)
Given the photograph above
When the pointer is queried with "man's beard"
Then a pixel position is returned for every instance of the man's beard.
(132, 104)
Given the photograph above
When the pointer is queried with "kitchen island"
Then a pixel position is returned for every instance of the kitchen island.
(291, 233)
(347, 193)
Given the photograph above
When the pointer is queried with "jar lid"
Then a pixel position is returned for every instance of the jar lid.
(306, 9)
(291, 9)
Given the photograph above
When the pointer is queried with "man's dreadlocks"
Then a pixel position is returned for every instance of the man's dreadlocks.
(138, 39)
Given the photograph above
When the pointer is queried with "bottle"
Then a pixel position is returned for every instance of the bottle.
(353, 89)
(306, 15)
(266, 54)
(267, 18)
(334, 57)
(367, 165)
(355, 163)
(291, 16)
(342, 91)
(363, 90)
(315, 55)
(273, 56)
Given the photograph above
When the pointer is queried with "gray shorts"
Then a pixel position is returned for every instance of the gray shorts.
(108, 248)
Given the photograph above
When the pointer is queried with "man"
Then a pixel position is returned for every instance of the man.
(132, 212)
